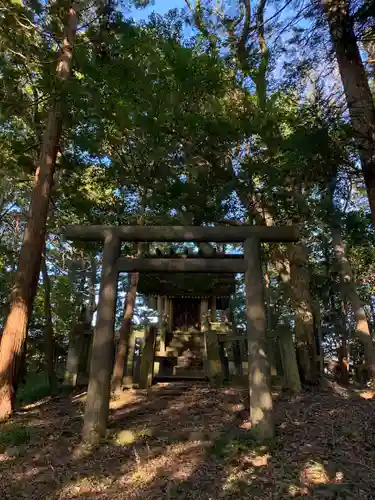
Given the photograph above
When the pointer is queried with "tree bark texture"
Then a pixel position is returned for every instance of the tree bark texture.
(261, 415)
(147, 358)
(101, 364)
(292, 381)
(213, 368)
(349, 291)
(78, 329)
(26, 279)
(303, 313)
(358, 95)
(48, 333)
(294, 276)
(125, 329)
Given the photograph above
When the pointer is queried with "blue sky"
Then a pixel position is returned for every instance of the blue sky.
(159, 6)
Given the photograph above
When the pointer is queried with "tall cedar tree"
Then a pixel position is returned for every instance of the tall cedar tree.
(26, 279)
(358, 95)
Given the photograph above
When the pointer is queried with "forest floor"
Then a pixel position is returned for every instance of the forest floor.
(190, 441)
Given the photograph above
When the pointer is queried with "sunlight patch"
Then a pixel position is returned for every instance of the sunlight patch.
(79, 397)
(314, 473)
(37, 403)
(123, 398)
(296, 491)
(367, 394)
(88, 486)
(126, 438)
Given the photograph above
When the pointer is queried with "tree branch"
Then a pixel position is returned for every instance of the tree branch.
(261, 83)
(198, 20)
(241, 47)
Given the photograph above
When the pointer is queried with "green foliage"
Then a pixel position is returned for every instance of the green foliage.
(35, 388)
(231, 444)
(11, 435)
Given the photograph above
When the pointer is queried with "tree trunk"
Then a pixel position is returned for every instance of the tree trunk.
(372, 309)
(80, 326)
(26, 279)
(350, 293)
(292, 381)
(271, 327)
(237, 346)
(75, 349)
(125, 329)
(303, 313)
(101, 363)
(147, 358)
(92, 288)
(48, 335)
(348, 289)
(319, 338)
(261, 405)
(87, 340)
(358, 95)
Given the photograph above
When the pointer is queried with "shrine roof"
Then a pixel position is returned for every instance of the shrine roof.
(187, 285)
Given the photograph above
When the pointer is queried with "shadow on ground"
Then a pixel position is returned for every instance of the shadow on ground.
(189, 441)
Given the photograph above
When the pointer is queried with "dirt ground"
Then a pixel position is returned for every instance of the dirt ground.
(190, 441)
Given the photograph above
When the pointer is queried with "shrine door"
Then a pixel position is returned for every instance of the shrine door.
(186, 313)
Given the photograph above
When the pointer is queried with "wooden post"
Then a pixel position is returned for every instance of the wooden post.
(237, 359)
(213, 309)
(204, 315)
(151, 302)
(261, 415)
(166, 305)
(204, 328)
(159, 307)
(139, 341)
(98, 393)
(213, 358)
(147, 359)
(128, 379)
(164, 323)
(170, 319)
(161, 303)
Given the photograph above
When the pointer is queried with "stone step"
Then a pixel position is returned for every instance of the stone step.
(188, 338)
(176, 344)
(172, 353)
(188, 375)
(188, 372)
(170, 349)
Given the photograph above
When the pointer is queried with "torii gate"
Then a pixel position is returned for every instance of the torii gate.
(98, 394)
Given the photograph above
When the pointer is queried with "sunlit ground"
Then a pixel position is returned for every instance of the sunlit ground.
(183, 441)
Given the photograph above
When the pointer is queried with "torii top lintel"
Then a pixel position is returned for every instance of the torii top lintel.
(199, 234)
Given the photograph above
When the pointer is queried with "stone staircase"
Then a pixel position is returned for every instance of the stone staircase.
(186, 352)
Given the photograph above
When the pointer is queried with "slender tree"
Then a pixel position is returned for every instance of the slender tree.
(48, 333)
(348, 288)
(26, 279)
(358, 95)
(125, 329)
